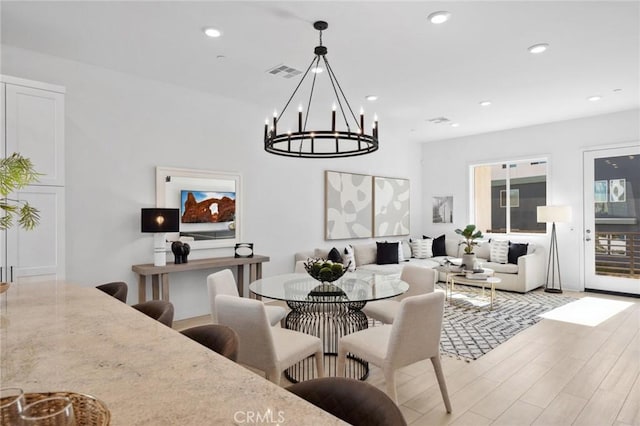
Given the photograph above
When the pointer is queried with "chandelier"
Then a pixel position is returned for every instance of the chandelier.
(348, 141)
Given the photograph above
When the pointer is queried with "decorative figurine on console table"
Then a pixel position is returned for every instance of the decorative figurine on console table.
(186, 249)
(177, 247)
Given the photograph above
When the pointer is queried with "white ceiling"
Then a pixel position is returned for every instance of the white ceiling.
(418, 70)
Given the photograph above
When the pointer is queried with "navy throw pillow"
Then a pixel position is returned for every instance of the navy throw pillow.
(386, 253)
(334, 256)
(515, 251)
(438, 247)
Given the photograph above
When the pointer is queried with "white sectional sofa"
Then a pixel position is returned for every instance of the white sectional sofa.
(526, 275)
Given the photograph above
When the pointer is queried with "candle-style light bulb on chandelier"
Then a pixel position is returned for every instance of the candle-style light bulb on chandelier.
(337, 142)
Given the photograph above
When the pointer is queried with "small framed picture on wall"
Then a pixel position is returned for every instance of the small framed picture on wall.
(443, 209)
(617, 191)
(600, 191)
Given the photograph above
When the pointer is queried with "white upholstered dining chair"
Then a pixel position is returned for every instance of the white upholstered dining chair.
(421, 280)
(413, 336)
(223, 282)
(270, 349)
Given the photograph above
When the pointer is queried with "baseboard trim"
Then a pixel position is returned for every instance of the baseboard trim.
(613, 293)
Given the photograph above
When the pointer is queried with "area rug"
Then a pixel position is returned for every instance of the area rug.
(468, 332)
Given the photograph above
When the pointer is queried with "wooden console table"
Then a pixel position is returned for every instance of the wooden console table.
(160, 274)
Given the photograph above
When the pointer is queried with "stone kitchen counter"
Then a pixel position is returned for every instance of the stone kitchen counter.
(55, 336)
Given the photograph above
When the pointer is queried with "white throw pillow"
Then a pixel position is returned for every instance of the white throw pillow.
(348, 258)
(482, 250)
(365, 254)
(321, 253)
(406, 250)
(499, 251)
(400, 252)
(422, 249)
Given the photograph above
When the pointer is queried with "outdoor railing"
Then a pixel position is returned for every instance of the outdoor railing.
(618, 254)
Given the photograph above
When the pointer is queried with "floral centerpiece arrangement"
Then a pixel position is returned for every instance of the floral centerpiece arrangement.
(325, 270)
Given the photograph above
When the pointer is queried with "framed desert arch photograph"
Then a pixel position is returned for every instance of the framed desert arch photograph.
(210, 204)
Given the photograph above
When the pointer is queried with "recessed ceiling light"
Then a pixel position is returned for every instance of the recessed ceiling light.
(455, 124)
(371, 98)
(485, 103)
(316, 70)
(538, 48)
(594, 98)
(212, 32)
(439, 17)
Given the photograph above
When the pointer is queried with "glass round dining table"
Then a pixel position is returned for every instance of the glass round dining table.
(328, 311)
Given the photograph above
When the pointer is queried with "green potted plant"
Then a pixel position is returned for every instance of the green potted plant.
(470, 234)
(16, 172)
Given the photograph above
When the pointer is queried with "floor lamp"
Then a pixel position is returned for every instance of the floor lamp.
(553, 214)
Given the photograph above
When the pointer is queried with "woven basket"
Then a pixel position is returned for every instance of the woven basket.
(88, 410)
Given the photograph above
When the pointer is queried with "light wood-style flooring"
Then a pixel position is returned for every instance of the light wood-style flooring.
(553, 373)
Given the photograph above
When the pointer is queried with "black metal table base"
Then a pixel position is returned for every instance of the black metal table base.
(329, 319)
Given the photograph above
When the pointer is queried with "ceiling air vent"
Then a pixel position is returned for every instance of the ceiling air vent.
(438, 120)
(284, 71)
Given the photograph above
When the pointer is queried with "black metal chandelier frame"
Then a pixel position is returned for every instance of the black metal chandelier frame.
(321, 143)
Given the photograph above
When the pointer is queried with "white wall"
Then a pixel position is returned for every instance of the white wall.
(120, 127)
(446, 172)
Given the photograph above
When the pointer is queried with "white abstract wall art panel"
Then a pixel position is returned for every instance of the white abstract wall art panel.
(390, 206)
(348, 206)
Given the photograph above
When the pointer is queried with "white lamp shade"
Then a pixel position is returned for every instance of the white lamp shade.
(551, 214)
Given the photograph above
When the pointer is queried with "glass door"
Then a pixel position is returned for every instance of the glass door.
(612, 219)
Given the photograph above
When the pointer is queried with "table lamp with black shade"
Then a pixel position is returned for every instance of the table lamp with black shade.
(159, 221)
(553, 214)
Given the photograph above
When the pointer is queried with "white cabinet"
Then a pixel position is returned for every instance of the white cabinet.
(39, 252)
(32, 121)
(34, 126)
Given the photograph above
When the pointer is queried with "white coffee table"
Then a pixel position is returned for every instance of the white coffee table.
(477, 288)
